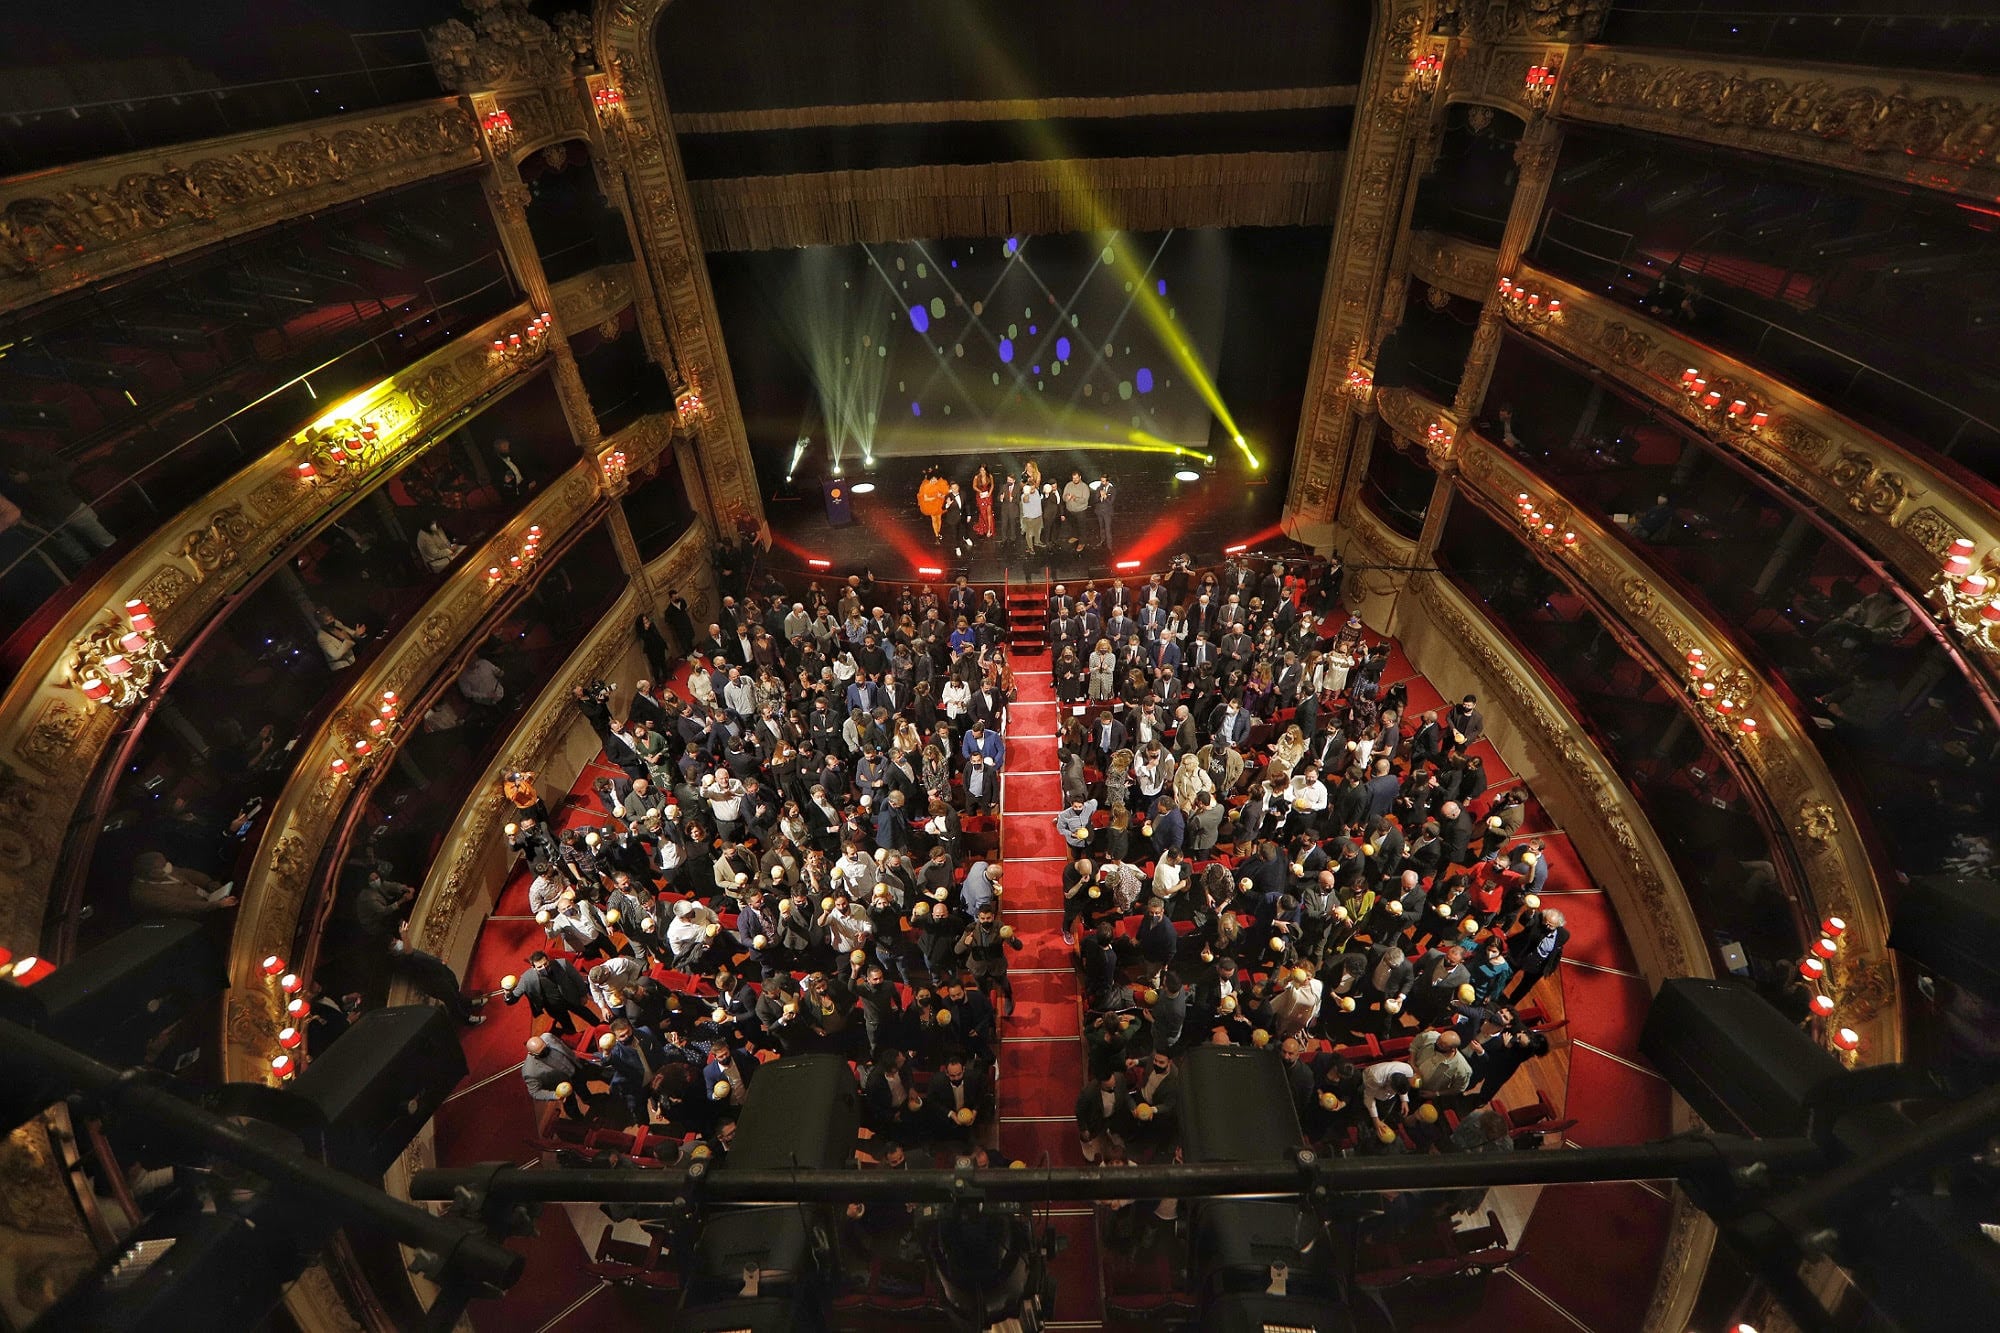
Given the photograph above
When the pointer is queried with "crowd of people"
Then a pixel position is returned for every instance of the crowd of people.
(798, 856)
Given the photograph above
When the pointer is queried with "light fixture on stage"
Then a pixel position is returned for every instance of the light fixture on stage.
(1244, 445)
(864, 488)
(798, 452)
(1128, 564)
(1187, 474)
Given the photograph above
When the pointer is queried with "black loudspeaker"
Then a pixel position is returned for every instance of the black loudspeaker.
(381, 1082)
(1236, 1106)
(1742, 1065)
(111, 1004)
(800, 1111)
(1948, 923)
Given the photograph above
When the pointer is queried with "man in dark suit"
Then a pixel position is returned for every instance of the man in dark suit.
(1158, 940)
(1536, 950)
(554, 987)
(1169, 828)
(1427, 746)
(1455, 833)
(1107, 736)
(550, 1065)
(1466, 724)
(1383, 789)
(1103, 1114)
(637, 1059)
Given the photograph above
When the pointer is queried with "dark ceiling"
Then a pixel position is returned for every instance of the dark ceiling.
(724, 55)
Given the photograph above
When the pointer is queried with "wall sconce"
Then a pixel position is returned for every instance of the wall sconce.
(119, 659)
(1425, 71)
(688, 403)
(1527, 308)
(609, 100)
(1360, 385)
(1720, 695)
(338, 445)
(499, 127)
(614, 463)
(1538, 86)
(1543, 528)
(1966, 599)
(520, 348)
(1719, 404)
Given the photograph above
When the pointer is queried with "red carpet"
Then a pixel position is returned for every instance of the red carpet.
(1627, 1227)
(1035, 791)
(1029, 836)
(1594, 936)
(1031, 756)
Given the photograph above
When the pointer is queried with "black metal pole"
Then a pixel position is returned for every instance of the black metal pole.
(460, 1246)
(1307, 1174)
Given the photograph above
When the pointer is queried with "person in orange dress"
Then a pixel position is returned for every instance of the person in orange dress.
(930, 500)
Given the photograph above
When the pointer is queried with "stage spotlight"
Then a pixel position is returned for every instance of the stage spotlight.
(798, 452)
(863, 488)
(1244, 445)
(1187, 474)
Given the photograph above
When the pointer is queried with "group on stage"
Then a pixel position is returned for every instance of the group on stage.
(1027, 513)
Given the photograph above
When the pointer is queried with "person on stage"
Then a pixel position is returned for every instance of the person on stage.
(982, 495)
(951, 521)
(1031, 476)
(1101, 499)
(1075, 505)
(1009, 519)
(930, 500)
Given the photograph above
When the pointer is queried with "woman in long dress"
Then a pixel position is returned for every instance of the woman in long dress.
(931, 499)
(982, 493)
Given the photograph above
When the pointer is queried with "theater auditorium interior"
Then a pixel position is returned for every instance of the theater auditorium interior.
(1198, 665)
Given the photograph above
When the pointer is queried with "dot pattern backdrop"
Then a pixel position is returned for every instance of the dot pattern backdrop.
(961, 346)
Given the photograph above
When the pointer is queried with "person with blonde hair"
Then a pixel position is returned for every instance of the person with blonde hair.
(1190, 781)
(1103, 671)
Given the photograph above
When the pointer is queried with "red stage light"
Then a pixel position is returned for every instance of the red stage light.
(1237, 549)
(1128, 564)
(820, 564)
(931, 570)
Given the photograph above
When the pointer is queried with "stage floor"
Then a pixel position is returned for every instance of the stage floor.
(1155, 518)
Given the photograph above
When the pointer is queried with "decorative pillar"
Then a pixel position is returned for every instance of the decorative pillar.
(1586, 421)
(629, 559)
(1789, 541)
(507, 196)
(1541, 144)
(1435, 514)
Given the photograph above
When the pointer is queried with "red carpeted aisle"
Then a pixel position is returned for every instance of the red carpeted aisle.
(1041, 1048)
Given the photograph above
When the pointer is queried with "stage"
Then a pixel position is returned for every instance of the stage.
(1155, 517)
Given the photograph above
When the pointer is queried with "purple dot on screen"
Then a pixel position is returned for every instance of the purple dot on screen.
(1143, 381)
(916, 409)
(1163, 286)
(1012, 245)
(1036, 370)
(1007, 350)
(1031, 328)
(954, 263)
(1062, 349)
(919, 318)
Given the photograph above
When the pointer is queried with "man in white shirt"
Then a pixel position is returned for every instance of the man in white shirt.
(1386, 1081)
(480, 683)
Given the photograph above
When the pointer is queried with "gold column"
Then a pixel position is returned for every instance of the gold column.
(1398, 102)
(507, 197)
(1536, 155)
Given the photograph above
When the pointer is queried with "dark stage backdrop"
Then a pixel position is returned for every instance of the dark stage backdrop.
(794, 322)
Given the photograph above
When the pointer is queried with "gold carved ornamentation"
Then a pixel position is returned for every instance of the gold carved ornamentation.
(1549, 20)
(1931, 131)
(1892, 500)
(1835, 872)
(505, 45)
(84, 223)
(1459, 267)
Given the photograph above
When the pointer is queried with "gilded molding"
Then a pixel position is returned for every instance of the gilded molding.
(310, 805)
(51, 737)
(1531, 20)
(1690, 1243)
(1839, 875)
(643, 144)
(1394, 112)
(1891, 499)
(589, 299)
(1932, 131)
(1462, 268)
(66, 227)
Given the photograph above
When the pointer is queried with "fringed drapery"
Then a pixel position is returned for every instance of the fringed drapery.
(1018, 108)
(1018, 198)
